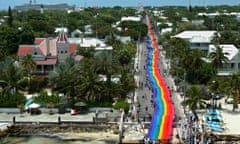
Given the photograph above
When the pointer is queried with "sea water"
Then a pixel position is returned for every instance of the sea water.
(44, 140)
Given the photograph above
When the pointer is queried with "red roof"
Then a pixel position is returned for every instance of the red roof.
(46, 61)
(48, 43)
(25, 49)
(62, 38)
(38, 40)
(72, 48)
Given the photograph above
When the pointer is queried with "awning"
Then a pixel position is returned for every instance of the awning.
(34, 105)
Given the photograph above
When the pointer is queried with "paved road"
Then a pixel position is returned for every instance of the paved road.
(143, 101)
(144, 93)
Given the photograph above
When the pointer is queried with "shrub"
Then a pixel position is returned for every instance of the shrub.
(12, 100)
(44, 99)
(122, 105)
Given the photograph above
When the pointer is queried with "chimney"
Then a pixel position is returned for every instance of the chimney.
(47, 45)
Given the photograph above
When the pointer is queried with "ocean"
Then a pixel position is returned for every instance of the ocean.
(44, 140)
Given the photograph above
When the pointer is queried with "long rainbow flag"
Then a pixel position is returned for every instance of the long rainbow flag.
(163, 115)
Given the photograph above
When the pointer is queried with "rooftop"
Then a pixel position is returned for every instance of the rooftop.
(87, 42)
(192, 34)
(229, 50)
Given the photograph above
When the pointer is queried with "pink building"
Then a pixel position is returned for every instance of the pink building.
(47, 52)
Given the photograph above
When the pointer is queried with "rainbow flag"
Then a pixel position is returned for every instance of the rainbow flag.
(163, 115)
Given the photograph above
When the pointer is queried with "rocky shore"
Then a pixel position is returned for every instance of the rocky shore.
(108, 133)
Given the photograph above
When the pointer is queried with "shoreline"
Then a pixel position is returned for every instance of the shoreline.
(106, 134)
(68, 136)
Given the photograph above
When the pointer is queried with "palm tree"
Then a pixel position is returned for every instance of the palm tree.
(112, 89)
(127, 81)
(218, 57)
(90, 86)
(65, 77)
(103, 63)
(28, 65)
(10, 75)
(194, 98)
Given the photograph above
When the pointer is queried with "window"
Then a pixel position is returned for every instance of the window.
(35, 53)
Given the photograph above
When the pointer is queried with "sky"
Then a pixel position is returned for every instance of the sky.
(4, 4)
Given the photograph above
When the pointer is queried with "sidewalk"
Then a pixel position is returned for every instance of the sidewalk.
(44, 117)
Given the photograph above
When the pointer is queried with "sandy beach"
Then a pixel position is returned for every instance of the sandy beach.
(104, 136)
(231, 120)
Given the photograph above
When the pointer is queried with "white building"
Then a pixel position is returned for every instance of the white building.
(197, 39)
(165, 30)
(131, 18)
(60, 29)
(99, 45)
(233, 64)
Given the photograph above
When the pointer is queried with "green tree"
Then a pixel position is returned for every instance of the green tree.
(28, 65)
(205, 73)
(194, 64)
(103, 62)
(9, 38)
(179, 52)
(127, 82)
(125, 53)
(134, 29)
(65, 78)
(10, 76)
(90, 86)
(86, 52)
(39, 22)
(218, 57)
(26, 35)
(10, 17)
(194, 98)
(3, 52)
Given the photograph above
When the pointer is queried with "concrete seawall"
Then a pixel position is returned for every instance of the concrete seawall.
(4, 127)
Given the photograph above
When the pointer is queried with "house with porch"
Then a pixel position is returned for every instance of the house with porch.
(48, 52)
(197, 39)
(233, 64)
